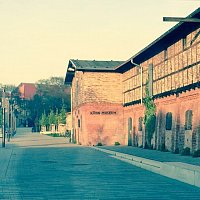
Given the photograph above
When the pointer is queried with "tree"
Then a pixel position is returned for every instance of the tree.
(51, 95)
(44, 120)
(52, 81)
(52, 118)
(62, 116)
(8, 87)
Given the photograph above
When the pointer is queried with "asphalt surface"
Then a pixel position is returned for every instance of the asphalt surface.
(34, 166)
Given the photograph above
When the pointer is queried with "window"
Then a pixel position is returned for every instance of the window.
(79, 123)
(188, 120)
(169, 121)
(184, 42)
(140, 124)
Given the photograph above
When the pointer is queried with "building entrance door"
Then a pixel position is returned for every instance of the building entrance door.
(130, 138)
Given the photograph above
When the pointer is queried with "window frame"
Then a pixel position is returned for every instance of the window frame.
(168, 121)
(188, 119)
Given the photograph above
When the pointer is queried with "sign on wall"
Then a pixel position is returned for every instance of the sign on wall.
(103, 113)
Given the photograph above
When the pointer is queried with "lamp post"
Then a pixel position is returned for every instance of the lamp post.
(141, 79)
(3, 119)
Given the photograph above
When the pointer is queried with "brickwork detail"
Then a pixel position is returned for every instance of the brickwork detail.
(178, 137)
(96, 87)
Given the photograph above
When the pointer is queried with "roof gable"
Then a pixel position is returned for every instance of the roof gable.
(94, 64)
(89, 66)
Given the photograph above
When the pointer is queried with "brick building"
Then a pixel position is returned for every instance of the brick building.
(170, 65)
(27, 90)
(97, 110)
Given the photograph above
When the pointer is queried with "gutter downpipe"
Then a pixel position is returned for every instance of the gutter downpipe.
(72, 130)
(141, 78)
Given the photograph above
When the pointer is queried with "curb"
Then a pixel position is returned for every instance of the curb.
(183, 172)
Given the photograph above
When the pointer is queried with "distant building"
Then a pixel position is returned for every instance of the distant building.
(106, 97)
(27, 90)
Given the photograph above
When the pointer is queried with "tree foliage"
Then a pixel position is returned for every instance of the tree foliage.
(51, 96)
(52, 117)
(8, 87)
(62, 116)
(44, 120)
(51, 81)
(150, 116)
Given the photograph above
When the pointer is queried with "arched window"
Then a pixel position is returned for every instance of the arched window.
(140, 124)
(188, 120)
(169, 121)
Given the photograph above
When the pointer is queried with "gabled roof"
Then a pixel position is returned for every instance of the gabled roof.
(170, 37)
(89, 65)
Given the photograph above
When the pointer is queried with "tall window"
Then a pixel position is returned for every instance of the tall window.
(79, 123)
(169, 121)
(140, 124)
(188, 120)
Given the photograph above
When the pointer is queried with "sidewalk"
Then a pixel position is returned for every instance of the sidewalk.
(5, 154)
(182, 168)
(154, 154)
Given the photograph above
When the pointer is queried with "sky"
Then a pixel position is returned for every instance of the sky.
(38, 37)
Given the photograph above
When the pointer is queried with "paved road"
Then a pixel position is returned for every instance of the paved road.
(41, 167)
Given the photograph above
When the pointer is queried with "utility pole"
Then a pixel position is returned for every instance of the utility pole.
(3, 120)
(141, 79)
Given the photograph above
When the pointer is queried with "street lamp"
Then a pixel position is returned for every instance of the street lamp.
(3, 119)
(141, 78)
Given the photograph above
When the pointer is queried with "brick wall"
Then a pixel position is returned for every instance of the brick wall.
(178, 136)
(96, 87)
(99, 122)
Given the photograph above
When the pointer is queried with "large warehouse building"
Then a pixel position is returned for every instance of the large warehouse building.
(107, 96)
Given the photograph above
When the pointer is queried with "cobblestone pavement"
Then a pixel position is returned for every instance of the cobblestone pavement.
(154, 154)
(42, 167)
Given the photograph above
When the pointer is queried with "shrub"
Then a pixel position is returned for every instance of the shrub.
(68, 134)
(186, 151)
(74, 141)
(176, 151)
(99, 144)
(163, 148)
(117, 143)
(196, 153)
(146, 145)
